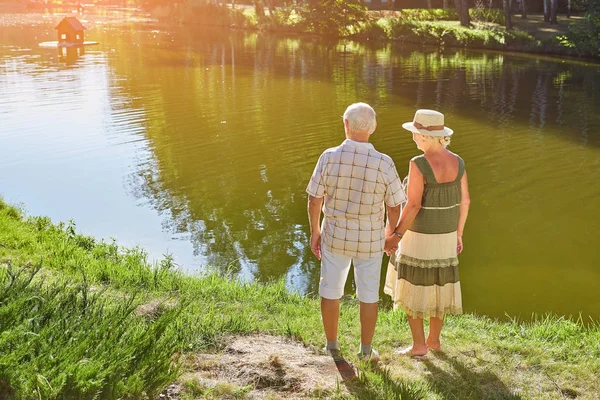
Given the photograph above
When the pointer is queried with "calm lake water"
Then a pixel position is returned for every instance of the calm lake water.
(200, 143)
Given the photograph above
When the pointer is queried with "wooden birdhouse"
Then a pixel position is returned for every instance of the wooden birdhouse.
(70, 31)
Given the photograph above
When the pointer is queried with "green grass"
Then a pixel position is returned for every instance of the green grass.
(450, 14)
(69, 329)
(62, 340)
(448, 33)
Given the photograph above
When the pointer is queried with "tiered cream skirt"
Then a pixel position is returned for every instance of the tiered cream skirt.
(422, 276)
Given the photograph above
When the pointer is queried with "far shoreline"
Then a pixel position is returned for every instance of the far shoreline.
(528, 36)
(539, 50)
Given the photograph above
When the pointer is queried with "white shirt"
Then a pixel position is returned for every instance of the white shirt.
(356, 180)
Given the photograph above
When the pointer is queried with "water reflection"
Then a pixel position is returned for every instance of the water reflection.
(233, 124)
(70, 55)
(238, 121)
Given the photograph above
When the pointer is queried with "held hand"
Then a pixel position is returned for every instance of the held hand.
(315, 244)
(391, 251)
(391, 244)
(459, 245)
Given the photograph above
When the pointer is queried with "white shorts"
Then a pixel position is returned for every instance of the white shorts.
(334, 272)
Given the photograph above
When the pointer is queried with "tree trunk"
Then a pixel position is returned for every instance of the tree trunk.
(568, 8)
(445, 4)
(507, 14)
(429, 7)
(546, 11)
(462, 6)
(553, 13)
(524, 9)
(271, 7)
(259, 8)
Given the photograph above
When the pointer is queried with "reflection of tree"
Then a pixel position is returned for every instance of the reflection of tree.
(495, 88)
(229, 198)
(236, 122)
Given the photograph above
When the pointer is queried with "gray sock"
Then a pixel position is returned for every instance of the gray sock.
(365, 349)
(332, 345)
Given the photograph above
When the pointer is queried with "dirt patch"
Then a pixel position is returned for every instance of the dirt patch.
(154, 309)
(259, 367)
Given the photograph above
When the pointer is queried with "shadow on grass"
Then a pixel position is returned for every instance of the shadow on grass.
(345, 369)
(459, 381)
(374, 383)
(369, 382)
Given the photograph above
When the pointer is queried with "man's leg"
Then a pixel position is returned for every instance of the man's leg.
(368, 320)
(367, 274)
(330, 311)
(334, 272)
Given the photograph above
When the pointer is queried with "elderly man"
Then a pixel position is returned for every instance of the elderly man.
(352, 182)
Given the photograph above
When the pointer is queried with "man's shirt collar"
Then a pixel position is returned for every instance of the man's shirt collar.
(353, 143)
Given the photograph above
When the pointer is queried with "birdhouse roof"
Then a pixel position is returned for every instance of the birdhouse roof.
(73, 22)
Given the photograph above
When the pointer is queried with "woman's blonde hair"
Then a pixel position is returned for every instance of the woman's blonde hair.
(443, 140)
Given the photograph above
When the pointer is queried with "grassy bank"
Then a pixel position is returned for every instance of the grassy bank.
(81, 318)
(426, 27)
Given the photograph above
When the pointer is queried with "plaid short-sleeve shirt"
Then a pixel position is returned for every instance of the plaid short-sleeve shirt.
(356, 181)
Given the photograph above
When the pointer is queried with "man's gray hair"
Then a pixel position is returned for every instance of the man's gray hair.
(361, 118)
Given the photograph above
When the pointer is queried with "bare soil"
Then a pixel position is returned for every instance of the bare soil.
(264, 367)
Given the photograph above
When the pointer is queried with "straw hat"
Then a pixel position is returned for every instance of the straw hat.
(428, 122)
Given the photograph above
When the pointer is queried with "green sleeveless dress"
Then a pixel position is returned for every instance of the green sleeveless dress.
(422, 276)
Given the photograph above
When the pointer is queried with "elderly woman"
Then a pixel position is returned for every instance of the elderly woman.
(422, 276)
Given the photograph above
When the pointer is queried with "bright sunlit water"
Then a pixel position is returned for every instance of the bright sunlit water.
(200, 143)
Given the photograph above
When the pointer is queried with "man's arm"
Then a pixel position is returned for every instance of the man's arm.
(314, 219)
(412, 207)
(393, 215)
(394, 195)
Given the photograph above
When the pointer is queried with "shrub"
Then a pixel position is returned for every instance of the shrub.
(584, 37)
(493, 15)
(450, 14)
(518, 37)
(431, 32)
(331, 17)
(436, 14)
(373, 30)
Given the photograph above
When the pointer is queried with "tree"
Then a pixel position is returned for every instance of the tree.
(331, 17)
(546, 10)
(462, 6)
(554, 6)
(259, 8)
(271, 7)
(524, 9)
(507, 4)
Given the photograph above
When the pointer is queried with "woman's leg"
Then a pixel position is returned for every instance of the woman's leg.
(419, 348)
(435, 329)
